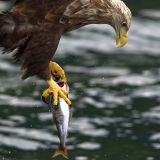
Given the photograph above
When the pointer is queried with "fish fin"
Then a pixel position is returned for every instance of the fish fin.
(61, 152)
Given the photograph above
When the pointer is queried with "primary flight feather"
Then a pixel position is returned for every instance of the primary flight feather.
(34, 28)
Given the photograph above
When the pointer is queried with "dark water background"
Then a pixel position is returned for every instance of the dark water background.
(115, 95)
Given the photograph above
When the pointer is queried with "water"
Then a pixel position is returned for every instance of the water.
(115, 95)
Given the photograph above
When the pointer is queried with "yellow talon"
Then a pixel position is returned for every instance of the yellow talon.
(56, 70)
(46, 93)
(54, 89)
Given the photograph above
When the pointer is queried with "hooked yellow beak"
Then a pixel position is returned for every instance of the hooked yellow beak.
(121, 37)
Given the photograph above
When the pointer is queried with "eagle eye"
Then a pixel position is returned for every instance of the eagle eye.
(124, 24)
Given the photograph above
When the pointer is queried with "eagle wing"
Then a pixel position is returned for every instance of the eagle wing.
(38, 52)
(33, 27)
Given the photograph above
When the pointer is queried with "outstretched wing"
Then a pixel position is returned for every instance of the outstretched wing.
(33, 27)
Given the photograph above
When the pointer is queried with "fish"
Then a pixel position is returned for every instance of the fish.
(61, 116)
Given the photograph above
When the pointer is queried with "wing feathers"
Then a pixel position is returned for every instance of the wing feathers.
(35, 47)
(39, 51)
(36, 37)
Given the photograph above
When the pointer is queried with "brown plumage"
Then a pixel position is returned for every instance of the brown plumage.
(35, 27)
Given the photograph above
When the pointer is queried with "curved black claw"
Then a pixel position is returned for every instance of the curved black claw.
(44, 99)
(47, 100)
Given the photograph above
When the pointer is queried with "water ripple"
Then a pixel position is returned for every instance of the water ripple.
(89, 145)
(18, 102)
(19, 143)
(139, 41)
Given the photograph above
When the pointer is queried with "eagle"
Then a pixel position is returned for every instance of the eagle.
(33, 28)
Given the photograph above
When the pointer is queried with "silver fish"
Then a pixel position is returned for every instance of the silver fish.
(61, 117)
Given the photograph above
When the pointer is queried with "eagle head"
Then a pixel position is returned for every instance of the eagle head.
(112, 12)
(120, 20)
(116, 14)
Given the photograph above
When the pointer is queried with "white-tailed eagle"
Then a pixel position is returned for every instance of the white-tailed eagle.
(35, 27)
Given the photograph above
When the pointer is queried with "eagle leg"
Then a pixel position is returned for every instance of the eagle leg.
(57, 73)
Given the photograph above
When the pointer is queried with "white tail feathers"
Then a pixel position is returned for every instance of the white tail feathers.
(61, 152)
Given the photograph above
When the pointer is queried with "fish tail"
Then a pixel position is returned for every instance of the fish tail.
(61, 152)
